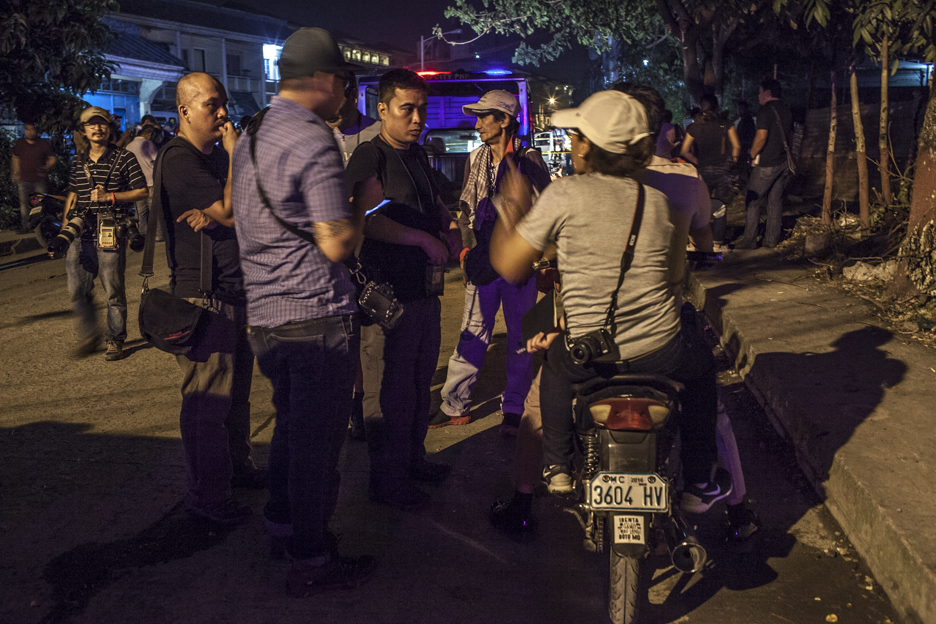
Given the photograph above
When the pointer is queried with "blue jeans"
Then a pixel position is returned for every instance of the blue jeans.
(766, 186)
(481, 305)
(312, 365)
(686, 359)
(83, 263)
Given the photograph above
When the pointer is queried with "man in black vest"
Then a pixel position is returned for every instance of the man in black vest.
(404, 248)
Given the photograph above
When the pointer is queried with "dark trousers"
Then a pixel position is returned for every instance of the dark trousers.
(398, 368)
(215, 417)
(686, 359)
(312, 365)
(766, 186)
(718, 180)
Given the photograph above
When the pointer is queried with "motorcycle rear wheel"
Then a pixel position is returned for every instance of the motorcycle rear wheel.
(623, 597)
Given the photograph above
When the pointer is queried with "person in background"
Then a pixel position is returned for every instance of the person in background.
(32, 158)
(145, 151)
(670, 137)
(351, 128)
(713, 146)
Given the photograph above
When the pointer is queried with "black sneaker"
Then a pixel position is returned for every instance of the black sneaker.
(699, 498)
(510, 518)
(229, 512)
(114, 351)
(743, 521)
(305, 578)
(404, 496)
(429, 472)
(251, 478)
(511, 424)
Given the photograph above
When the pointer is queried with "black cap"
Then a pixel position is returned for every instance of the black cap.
(310, 50)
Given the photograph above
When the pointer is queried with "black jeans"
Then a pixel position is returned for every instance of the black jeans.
(312, 365)
(398, 368)
(686, 359)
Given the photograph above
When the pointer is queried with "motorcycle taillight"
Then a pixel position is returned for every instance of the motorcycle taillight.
(628, 413)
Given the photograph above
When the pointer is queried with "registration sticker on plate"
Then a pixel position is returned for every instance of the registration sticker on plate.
(628, 530)
(629, 492)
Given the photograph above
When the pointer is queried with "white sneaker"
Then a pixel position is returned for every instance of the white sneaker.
(558, 480)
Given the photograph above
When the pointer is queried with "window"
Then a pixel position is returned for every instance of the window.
(234, 65)
(365, 57)
(385, 60)
(347, 53)
(356, 55)
(198, 60)
(185, 59)
(271, 54)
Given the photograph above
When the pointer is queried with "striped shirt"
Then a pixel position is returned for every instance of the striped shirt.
(126, 176)
(300, 168)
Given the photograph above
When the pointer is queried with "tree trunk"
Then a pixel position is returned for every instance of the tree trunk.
(923, 203)
(692, 70)
(883, 134)
(830, 159)
(863, 211)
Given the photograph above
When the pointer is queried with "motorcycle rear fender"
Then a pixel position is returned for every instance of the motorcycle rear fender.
(629, 549)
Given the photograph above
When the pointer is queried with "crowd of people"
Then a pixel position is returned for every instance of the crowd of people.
(268, 230)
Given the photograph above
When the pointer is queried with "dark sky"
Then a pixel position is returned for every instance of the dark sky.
(397, 22)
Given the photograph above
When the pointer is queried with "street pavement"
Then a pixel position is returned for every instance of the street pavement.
(92, 528)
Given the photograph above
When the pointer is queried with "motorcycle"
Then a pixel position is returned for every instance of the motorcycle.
(627, 501)
(45, 216)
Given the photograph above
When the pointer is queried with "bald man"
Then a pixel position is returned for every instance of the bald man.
(192, 192)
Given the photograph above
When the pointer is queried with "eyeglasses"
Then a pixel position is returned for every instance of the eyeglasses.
(98, 124)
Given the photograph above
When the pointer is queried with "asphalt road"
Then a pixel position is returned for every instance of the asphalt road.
(92, 529)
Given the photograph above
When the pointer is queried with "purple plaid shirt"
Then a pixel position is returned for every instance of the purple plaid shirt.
(286, 278)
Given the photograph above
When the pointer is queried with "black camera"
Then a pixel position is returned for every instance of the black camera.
(589, 348)
(70, 232)
(129, 229)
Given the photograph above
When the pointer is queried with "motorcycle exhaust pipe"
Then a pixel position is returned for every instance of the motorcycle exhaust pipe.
(685, 551)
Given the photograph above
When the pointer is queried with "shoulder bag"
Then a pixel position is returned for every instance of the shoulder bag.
(167, 322)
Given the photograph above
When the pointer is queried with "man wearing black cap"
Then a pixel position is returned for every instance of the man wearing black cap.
(301, 305)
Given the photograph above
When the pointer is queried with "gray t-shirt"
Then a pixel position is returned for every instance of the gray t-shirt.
(589, 217)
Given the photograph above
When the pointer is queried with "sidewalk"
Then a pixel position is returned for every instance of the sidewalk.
(856, 401)
(14, 245)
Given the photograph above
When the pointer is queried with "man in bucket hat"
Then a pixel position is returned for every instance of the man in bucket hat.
(497, 124)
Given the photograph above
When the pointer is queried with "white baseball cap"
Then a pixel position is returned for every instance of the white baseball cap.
(497, 99)
(610, 119)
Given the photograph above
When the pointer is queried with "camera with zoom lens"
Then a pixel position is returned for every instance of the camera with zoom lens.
(70, 232)
(593, 346)
(135, 240)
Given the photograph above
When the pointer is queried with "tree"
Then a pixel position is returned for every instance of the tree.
(53, 51)
(702, 28)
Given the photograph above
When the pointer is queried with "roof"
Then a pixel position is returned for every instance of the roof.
(131, 45)
(208, 16)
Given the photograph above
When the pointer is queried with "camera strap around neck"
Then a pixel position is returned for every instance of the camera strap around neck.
(627, 257)
(146, 269)
(87, 171)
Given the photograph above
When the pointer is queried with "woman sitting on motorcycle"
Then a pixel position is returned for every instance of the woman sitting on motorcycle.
(590, 217)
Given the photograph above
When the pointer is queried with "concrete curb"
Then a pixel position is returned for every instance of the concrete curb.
(19, 244)
(858, 465)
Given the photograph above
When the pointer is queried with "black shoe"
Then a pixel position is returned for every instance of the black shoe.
(251, 478)
(336, 573)
(114, 351)
(743, 521)
(429, 472)
(699, 498)
(511, 424)
(404, 496)
(509, 517)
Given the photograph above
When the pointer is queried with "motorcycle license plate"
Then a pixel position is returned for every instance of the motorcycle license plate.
(629, 492)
